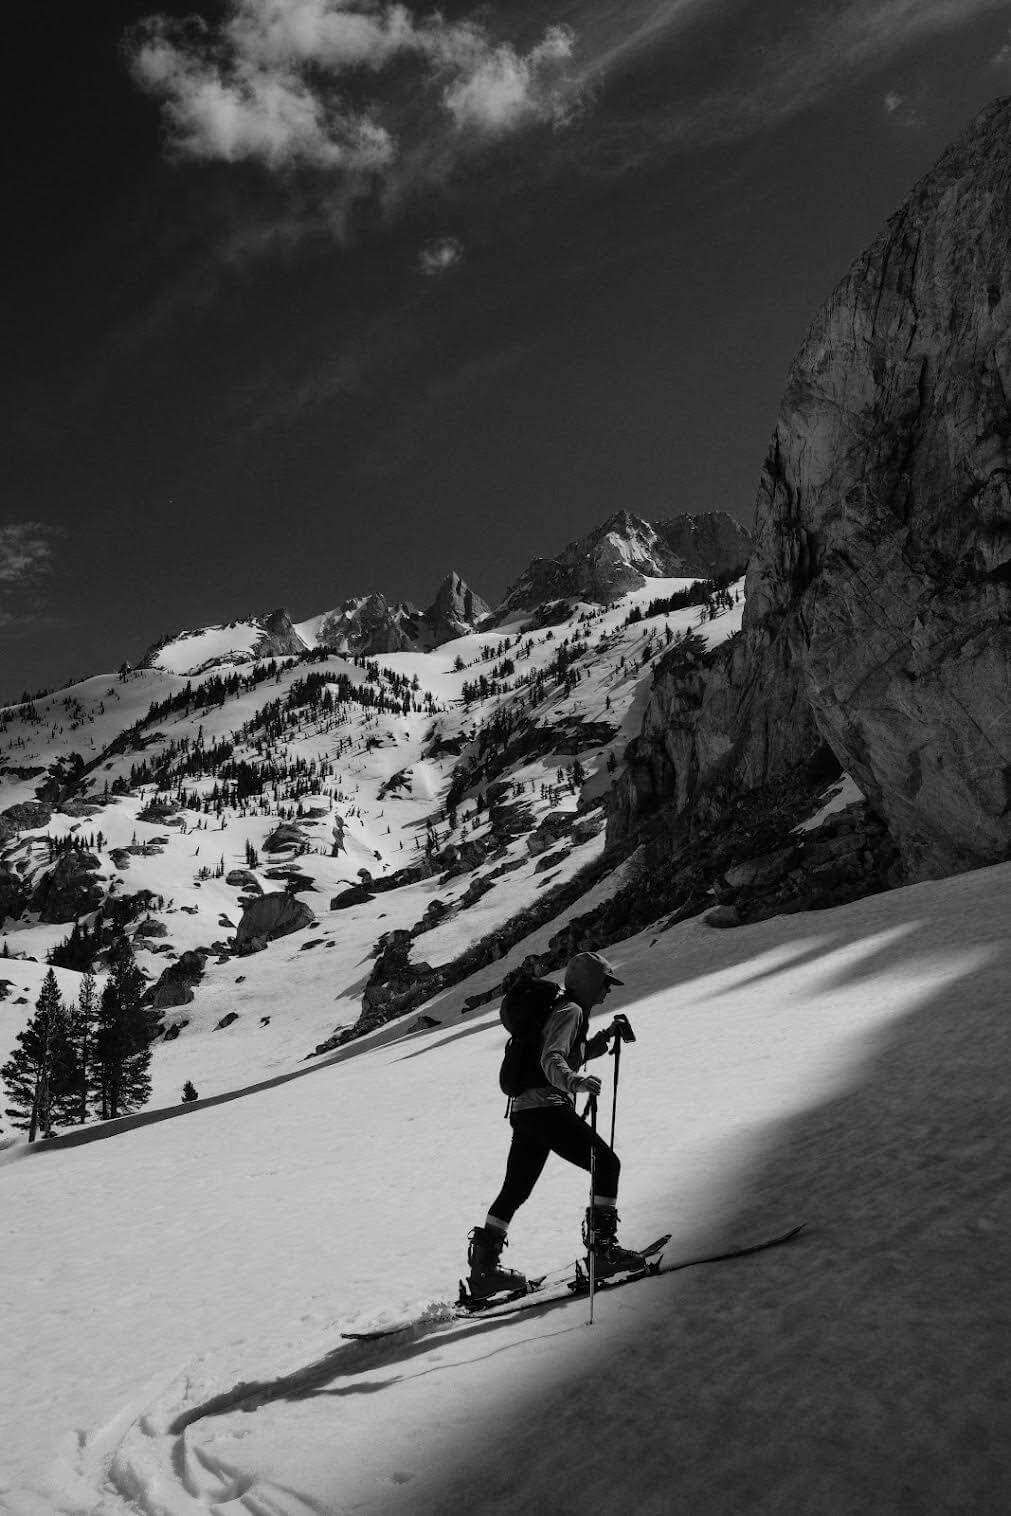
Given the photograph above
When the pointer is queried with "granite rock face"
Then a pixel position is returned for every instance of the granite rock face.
(879, 590)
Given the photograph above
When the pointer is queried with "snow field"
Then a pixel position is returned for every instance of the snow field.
(182, 1285)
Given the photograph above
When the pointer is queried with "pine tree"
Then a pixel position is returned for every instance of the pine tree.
(189, 1092)
(120, 1079)
(82, 1026)
(40, 1070)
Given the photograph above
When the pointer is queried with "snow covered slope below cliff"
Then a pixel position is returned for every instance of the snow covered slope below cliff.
(173, 1342)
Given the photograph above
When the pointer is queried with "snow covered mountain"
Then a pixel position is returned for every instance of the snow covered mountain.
(618, 556)
(363, 625)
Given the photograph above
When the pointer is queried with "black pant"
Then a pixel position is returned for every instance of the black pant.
(553, 1129)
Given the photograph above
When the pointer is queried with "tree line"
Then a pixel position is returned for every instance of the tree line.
(86, 1060)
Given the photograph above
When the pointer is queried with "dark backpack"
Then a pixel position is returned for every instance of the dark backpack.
(524, 1013)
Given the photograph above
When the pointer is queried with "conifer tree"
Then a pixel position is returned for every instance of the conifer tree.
(120, 1079)
(82, 1026)
(40, 1070)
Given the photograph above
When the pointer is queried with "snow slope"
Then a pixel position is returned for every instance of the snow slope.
(173, 1345)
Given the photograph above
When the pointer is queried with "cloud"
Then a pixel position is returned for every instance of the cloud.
(26, 561)
(439, 256)
(25, 552)
(503, 88)
(1002, 58)
(899, 110)
(311, 83)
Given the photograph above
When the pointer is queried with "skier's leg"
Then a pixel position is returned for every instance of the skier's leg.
(527, 1156)
(574, 1140)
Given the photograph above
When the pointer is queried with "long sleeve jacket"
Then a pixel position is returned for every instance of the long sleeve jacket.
(563, 1052)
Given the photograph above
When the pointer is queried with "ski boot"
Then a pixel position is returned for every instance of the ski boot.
(486, 1277)
(608, 1256)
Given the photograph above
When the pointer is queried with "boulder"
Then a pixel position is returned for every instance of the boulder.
(756, 872)
(285, 836)
(177, 984)
(355, 894)
(151, 928)
(272, 916)
(242, 879)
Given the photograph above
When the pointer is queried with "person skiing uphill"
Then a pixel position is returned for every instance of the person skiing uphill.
(544, 1120)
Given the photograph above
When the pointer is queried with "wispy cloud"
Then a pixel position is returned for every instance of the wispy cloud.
(832, 45)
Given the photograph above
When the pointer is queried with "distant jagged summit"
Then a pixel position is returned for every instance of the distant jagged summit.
(363, 626)
(455, 611)
(626, 550)
(372, 625)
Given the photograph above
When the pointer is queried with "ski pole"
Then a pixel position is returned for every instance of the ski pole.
(622, 1033)
(614, 1098)
(591, 1230)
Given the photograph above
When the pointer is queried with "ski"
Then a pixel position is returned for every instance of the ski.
(497, 1303)
(550, 1293)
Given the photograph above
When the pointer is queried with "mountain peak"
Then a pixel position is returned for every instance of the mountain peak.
(623, 552)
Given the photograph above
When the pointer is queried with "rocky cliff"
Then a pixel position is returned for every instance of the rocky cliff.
(878, 593)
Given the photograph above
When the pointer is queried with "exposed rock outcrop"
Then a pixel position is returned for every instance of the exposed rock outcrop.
(877, 615)
(28, 816)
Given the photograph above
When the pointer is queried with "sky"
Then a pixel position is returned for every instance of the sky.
(310, 298)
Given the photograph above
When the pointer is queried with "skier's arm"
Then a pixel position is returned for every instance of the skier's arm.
(562, 1027)
(599, 1043)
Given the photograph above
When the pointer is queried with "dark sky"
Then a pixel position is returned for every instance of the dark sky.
(322, 297)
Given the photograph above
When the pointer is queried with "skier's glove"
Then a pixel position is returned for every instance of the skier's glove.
(586, 1084)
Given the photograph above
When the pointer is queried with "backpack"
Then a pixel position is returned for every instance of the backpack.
(524, 1014)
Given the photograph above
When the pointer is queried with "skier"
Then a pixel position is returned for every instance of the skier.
(544, 1120)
